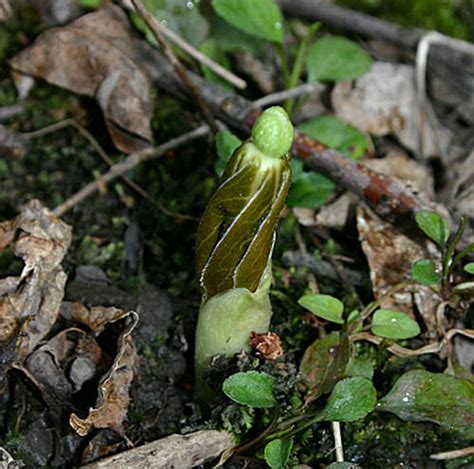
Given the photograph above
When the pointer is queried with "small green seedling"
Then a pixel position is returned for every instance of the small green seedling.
(437, 229)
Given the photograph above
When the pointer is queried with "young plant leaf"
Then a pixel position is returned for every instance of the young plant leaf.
(336, 58)
(324, 364)
(260, 18)
(212, 49)
(336, 133)
(469, 268)
(424, 271)
(277, 453)
(394, 325)
(308, 189)
(184, 18)
(226, 143)
(351, 399)
(419, 395)
(250, 388)
(433, 225)
(323, 306)
(362, 367)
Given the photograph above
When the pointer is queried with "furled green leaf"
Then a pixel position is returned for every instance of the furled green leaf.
(424, 271)
(324, 363)
(469, 268)
(308, 189)
(362, 367)
(260, 18)
(419, 395)
(277, 453)
(351, 399)
(335, 133)
(323, 306)
(226, 144)
(336, 58)
(394, 324)
(433, 225)
(250, 388)
(181, 17)
(235, 236)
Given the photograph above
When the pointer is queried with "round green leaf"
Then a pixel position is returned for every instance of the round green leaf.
(250, 388)
(309, 189)
(433, 225)
(336, 133)
(469, 268)
(277, 453)
(362, 367)
(434, 397)
(424, 271)
(394, 324)
(351, 399)
(336, 58)
(261, 18)
(323, 306)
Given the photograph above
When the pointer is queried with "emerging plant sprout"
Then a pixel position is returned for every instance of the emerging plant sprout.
(235, 240)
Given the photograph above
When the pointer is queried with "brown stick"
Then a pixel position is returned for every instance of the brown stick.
(178, 66)
(387, 197)
(129, 163)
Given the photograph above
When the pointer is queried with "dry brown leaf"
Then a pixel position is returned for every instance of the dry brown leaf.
(95, 317)
(384, 101)
(390, 255)
(93, 56)
(30, 303)
(112, 403)
(60, 367)
(174, 451)
(268, 345)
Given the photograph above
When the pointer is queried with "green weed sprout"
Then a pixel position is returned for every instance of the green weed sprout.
(235, 241)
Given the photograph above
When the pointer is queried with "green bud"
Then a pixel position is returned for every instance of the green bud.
(272, 132)
(235, 241)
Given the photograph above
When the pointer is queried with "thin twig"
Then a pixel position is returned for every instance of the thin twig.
(129, 163)
(280, 96)
(196, 54)
(152, 23)
(336, 430)
(106, 158)
(426, 109)
(457, 453)
(48, 129)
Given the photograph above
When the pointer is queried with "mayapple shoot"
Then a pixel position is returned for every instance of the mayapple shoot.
(235, 241)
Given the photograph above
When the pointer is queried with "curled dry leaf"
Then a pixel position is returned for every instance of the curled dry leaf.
(268, 345)
(112, 403)
(94, 56)
(390, 255)
(61, 366)
(95, 317)
(30, 303)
